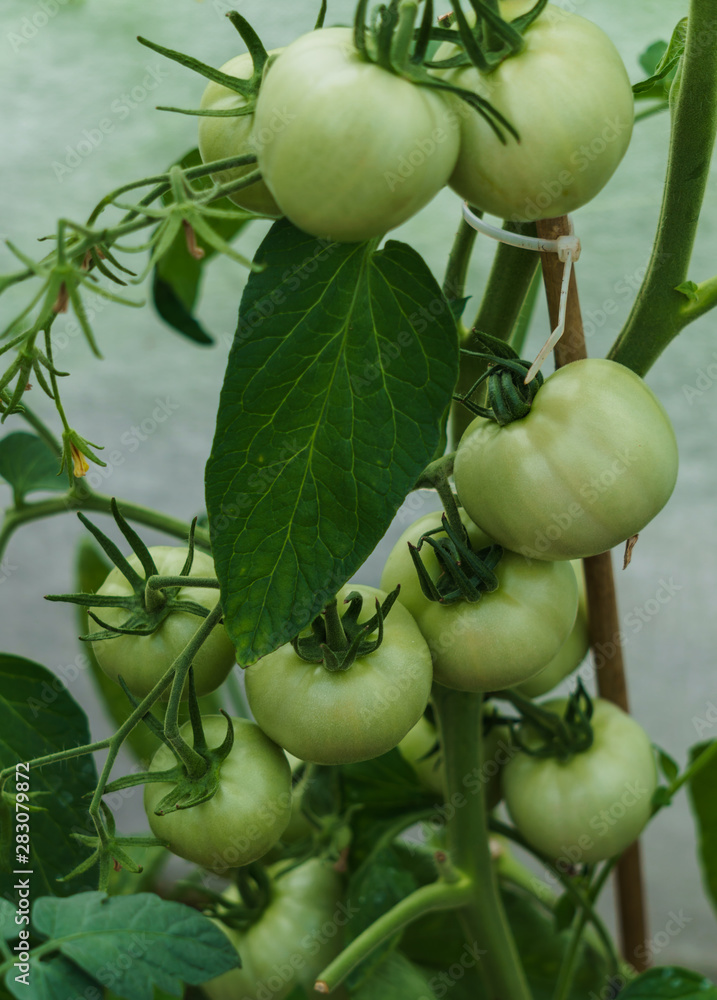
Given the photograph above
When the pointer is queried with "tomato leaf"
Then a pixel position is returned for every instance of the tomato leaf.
(126, 943)
(669, 983)
(28, 463)
(177, 277)
(668, 766)
(385, 784)
(690, 290)
(38, 716)
(704, 807)
(395, 978)
(8, 927)
(342, 366)
(375, 888)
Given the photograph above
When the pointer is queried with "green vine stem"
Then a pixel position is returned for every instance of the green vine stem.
(81, 497)
(581, 900)
(454, 282)
(483, 917)
(572, 953)
(441, 895)
(660, 312)
(505, 293)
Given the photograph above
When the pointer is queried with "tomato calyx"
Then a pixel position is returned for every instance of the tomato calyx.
(508, 397)
(465, 575)
(394, 43)
(247, 89)
(491, 39)
(338, 640)
(542, 733)
(196, 775)
(154, 597)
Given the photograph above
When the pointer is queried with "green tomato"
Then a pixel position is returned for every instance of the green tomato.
(223, 137)
(141, 660)
(571, 654)
(294, 939)
(590, 465)
(344, 716)
(592, 806)
(502, 639)
(249, 811)
(347, 149)
(568, 96)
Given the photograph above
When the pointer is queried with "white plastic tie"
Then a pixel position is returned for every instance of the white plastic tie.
(568, 250)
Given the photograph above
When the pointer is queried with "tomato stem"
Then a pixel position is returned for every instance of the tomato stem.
(505, 293)
(429, 898)
(660, 312)
(459, 719)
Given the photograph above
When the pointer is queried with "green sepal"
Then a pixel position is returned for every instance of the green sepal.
(337, 641)
(141, 619)
(465, 575)
(509, 398)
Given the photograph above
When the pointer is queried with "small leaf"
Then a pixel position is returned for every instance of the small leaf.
(658, 84)
(28, 463)
(377, 886)
(704, 807)
(689, 289)
(177, 278)
(169, 944)
(661, 796)
(668, 766)
(8, 927)
(564, 912)
(38, 716)
(669, 983)
(650, 58)
(395, 978)
(385, 784)
(343, 364)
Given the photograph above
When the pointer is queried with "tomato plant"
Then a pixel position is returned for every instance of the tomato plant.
(594, 804)
(327, 818)
(348, 713)
(221, 137)
(141, 660)
(504, 637)
(348, 150)
(244, 818)
(287, 943)
(608, 465)
(574, 128)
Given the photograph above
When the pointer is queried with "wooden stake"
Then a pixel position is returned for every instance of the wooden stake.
(602, 606)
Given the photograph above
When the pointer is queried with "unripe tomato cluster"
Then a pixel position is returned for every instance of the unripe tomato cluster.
(348, 150)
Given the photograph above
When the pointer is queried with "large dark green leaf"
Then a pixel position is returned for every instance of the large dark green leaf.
(342, 368)
(704, 806)
(127, 943)
(38, 716)
(28, 463)
(177, 278)
(669, 983)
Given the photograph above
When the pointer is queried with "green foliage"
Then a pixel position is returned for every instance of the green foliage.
(340, 375)
(125, 943)
(669, 983)
(38, 716)
(177, 277)
(704, 806)
(28, 463)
